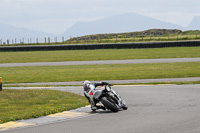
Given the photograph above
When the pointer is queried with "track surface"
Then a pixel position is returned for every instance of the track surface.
(152, 109)
(135, 61)
(116, 81)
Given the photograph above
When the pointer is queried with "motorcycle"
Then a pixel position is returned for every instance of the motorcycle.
(109, 98)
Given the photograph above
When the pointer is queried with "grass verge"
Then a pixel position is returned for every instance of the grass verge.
(105, 54)
(99, 72)
(25, 104)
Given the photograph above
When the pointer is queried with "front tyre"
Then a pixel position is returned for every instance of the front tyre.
(109, 105)
(124, 107)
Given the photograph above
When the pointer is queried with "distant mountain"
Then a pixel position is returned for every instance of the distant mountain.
(128, 22)
(11, 32)
(195, 24)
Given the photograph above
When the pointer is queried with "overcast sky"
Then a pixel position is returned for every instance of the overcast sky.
(55, 16)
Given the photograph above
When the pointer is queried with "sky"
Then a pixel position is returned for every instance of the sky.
(56, 16)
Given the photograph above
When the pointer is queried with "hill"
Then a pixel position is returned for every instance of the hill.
(128, 22)
(150, 32)
(11, 32)
(195, 24)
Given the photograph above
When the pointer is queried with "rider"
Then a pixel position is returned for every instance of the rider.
(88, 86)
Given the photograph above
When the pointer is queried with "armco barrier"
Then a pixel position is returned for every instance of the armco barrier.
(101, 46)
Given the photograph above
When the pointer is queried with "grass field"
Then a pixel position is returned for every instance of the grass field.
(106, 54)
(24, 104)
(151, 35)
(138, 39)
(99, 72)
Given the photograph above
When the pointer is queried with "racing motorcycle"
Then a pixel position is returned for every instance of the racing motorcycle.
(109, 98)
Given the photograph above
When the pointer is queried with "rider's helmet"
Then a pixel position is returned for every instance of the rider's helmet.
(86, 85)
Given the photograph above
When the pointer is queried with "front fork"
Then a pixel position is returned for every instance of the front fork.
(117, 98)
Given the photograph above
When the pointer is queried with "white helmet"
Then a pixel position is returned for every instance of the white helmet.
(86, 82)
(86, 85)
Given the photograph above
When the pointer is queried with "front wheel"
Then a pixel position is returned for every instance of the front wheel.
(109, 105)
(124, 107)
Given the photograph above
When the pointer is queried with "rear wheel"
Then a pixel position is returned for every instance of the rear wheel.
(109, 105)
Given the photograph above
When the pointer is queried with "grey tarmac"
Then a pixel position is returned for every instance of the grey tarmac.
(115, 81)
(134, 61)
(152, 109)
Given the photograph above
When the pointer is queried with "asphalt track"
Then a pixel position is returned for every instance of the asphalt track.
(116, 81)
(134, 61)
(152, 109)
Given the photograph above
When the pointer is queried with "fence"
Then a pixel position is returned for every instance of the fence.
(102, 46)
(45, 40)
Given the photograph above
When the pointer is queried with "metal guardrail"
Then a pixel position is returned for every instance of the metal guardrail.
(102, 46)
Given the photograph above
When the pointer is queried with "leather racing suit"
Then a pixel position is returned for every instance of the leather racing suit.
(88, 87)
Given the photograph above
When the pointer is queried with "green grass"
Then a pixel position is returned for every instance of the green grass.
(25, 104)
(139, 39)
(99, 72)
(151, 35)
(15, 85)
(106, 54)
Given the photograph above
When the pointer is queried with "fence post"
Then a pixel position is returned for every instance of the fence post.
(0, 84)
(63, 39)
(99, 38)
(196, 34)
(55, 39)
(177, 35)
(49, 40)
(142, 37)
(168, 36)
(37, 40)
(150, 35)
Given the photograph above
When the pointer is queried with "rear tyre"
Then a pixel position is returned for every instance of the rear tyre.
(109, 105)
